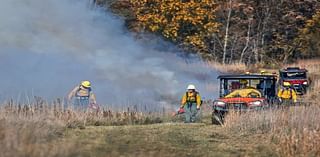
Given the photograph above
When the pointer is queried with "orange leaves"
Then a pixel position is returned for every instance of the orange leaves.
(185, 22)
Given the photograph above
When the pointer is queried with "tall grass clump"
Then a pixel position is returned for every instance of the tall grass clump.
(36, 135)
(295, 130)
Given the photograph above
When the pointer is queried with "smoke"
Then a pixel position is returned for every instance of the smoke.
(48, 47)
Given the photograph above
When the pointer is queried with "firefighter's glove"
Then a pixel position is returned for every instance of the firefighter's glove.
(94, 106)
(198, 108)
(280, 100)
(181, 110)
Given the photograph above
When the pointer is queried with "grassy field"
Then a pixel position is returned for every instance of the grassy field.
(51, 135)
(288, 132)
(167, 139)
(40, 129)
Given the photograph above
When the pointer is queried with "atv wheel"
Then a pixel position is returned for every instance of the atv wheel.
(217, 118)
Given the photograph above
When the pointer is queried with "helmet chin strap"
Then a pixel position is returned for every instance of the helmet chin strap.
(83, 87)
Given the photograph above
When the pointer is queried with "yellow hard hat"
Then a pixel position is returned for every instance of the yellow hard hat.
(286, 84)
(86, 84)
(262, 72)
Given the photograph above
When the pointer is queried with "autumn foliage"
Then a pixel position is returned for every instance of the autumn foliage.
(188, 23)
(309, 36)
(268, 32)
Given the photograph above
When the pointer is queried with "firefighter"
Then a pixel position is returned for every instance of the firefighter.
(244, 84)
(83, 95)
(244, 91)
(191, 103)
(263, 72)
(287, 94)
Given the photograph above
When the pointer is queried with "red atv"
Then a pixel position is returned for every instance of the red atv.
(246, 92)
(296, 77)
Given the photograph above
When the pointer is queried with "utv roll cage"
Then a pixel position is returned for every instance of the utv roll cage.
(266, 84)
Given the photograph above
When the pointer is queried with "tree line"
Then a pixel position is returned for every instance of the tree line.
(229, 31)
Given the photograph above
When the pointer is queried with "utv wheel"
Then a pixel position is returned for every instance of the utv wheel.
(304, 90)
(217, 118)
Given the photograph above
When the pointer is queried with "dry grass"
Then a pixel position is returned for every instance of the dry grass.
(228, 68)
(73, 118)
(296, 130)
(312, 65)
(36, 135)
(313, 95)
(38, 129)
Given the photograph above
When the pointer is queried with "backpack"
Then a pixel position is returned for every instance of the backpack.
(79, 88)
(195, 96)
(290, 93)
(187, 96)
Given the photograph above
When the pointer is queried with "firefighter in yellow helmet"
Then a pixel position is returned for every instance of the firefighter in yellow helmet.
(191, 103)
(244, 91)
(263, 72)
(83, 95)
(243, 83)
(287, 94)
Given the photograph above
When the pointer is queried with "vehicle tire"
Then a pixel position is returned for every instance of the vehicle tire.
(304, 90)
(217, 118)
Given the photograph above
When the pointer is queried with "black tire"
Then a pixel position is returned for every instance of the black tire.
(304, 90)
(217, 118)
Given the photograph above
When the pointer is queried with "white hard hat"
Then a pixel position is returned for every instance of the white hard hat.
(191, 86)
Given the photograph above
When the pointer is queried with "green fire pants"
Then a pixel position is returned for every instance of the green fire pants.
(190, 112)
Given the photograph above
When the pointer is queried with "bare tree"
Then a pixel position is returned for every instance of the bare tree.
(226, 37)
(247, 42)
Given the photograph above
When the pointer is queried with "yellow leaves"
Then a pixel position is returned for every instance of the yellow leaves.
(154, 28)
(187, 22)
(310, 23)
(308, 38)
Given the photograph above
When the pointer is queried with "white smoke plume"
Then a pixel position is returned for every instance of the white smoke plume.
(48, 47)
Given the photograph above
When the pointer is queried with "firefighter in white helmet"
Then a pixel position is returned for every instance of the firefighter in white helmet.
(191, 103)
(83, 95)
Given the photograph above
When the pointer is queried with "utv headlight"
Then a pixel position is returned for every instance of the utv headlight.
(219, 103)
(305, 83)
(255, 103)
